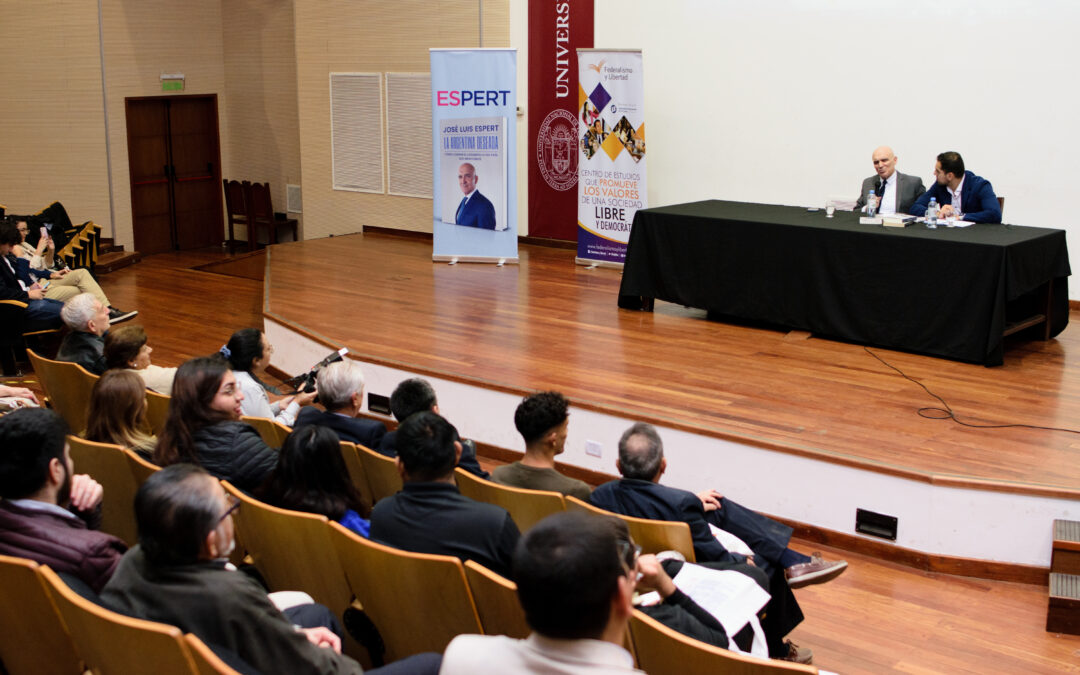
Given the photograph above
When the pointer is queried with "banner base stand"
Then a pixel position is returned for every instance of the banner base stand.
(455, 259)
(598, 263)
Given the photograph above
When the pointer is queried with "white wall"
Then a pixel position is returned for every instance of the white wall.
(770, 101)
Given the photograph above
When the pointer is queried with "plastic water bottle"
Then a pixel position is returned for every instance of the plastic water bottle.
(871, 204)
(931, 213)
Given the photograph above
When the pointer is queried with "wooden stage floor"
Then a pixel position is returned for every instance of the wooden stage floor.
(550, 324)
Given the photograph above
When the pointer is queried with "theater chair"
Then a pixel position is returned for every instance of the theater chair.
(32, 637)
(357, 476)
(381, 472)
(273, 433)
(206, 662)
(68, 387)
(653, 536)
(17, 334)
(496, 602)
(109, 465)
(526, 507)
(157, 411)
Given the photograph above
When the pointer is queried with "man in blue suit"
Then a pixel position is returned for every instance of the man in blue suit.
(475, 210)
(959, 192)
(341, 391)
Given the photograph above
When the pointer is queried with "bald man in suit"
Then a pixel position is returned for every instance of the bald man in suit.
(895, 192)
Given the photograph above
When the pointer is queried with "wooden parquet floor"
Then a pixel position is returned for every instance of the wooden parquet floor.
(549, 324)
(878, 617)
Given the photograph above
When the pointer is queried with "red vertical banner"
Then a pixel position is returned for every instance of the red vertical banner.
(557, 28)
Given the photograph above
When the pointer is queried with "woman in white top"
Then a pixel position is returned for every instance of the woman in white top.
(126, 348)
(248, 352)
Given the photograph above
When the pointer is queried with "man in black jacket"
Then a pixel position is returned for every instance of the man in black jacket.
(88, 319)
(341, 392)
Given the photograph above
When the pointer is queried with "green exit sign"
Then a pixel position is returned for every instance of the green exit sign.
(172, 85)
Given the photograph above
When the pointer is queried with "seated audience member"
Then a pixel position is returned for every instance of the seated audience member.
(429, 515)
(575, 585)
(88, 320)
(47, 513)
(126, 348)
(41, 313)
(178, 574)
(959, 193)
(203, 426)
(248, 352)
(542, 420)
(415, 395)
(680, 612)
(341, 391)
(894, 192)
(65, 283)
(311, 476)
(118, 412)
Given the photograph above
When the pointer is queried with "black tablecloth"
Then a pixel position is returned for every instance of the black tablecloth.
(937, 291)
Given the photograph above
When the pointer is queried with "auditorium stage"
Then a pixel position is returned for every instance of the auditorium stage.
(806, 428)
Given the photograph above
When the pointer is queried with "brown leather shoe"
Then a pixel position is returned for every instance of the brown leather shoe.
(798, 654)
(817, 571)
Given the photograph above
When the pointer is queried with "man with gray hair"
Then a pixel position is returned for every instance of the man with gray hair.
(88, 319)
(341, 392)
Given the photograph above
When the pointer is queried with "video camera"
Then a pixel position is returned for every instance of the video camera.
(306, 382)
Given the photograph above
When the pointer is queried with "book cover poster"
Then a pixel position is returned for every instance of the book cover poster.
(473, 170)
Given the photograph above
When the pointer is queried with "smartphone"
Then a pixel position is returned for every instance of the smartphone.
(44, 232)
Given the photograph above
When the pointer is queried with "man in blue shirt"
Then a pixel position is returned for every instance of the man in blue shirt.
(960, 193)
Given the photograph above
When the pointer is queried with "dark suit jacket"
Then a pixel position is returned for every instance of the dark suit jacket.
(478, 212)
(645, 499)
(9, 284)
(977, 199)
(908, 189)
(436, 518)
(85, 349)
(368, 433)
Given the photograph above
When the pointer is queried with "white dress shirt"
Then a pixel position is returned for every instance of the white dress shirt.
(956, 198)
(491, 654)
(887, 206)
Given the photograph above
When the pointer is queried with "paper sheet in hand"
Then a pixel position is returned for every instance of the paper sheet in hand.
(733, 598)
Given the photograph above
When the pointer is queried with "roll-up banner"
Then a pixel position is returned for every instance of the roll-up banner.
(556, 30)
(611, 146)
(474, 122)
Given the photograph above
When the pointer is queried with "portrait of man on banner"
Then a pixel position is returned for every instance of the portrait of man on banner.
(473, 167)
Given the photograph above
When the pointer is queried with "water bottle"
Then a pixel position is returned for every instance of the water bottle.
(931, 213)
(871, 204)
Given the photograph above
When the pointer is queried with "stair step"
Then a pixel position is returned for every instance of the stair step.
(1063, 615)
(107, 246)
(1065, 557)
(116, 260)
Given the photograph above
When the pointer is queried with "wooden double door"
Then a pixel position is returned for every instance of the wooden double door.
(174, 158)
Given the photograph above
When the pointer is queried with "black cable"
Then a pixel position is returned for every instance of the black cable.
(947, 413)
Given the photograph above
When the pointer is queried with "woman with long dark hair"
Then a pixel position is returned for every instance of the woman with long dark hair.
(248, 352)
(203, 426)
(311, 477)
(118, 412)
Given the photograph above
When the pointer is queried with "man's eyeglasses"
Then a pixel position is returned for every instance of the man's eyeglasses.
(235, 504)
(628, 554)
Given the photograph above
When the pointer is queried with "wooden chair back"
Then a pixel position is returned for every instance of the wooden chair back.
(653, 536)
(273, 432)
(33, 639)
(526, 507)
(496, 601)
(205, 660)
(261, 214)
(140, 468)
(157, 411)
(661, 650)
(235, 206)
(292, 550)
(109, 465)
(381, 472)
(68, 386)
(113, 643)
(356, 473)
(386, 580)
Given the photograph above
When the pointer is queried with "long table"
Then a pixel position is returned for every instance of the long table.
(944, 292)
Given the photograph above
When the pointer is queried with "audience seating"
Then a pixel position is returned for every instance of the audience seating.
(260, 214)
(381, 472)
(419, 602)
(206, 661)
(113, 643)
(17, 334)
(109, 465)
(526, 507)
(356, 474)
(157, 411)
(140, 468)
(273, 433)
(661, 650)
(293, 551)
(68, 387)
(32, 637)
(497, 602)
(653, 536)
